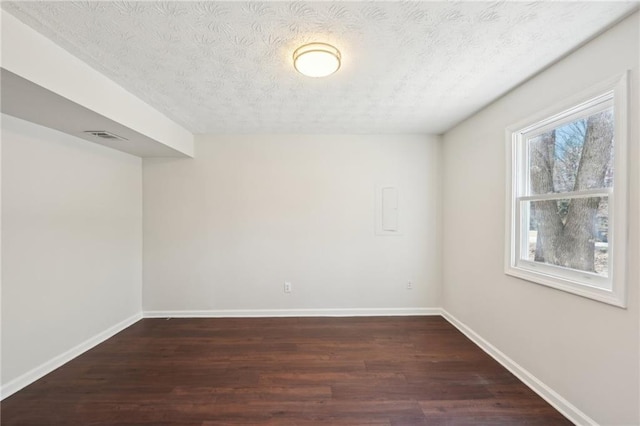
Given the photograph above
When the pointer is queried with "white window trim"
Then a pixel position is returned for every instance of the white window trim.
(577, 282)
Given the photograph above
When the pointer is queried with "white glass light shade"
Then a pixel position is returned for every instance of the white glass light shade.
(316, 59)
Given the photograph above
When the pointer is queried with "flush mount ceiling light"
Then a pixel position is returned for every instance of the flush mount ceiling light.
(316, 59)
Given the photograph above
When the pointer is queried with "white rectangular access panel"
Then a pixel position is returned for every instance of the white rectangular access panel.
(387, 210)
(390, 209)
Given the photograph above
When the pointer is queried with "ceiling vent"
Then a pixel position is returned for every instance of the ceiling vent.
(105, 135)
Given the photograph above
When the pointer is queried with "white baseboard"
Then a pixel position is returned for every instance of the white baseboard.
(40, 371)
(259, 313)
(567, 409)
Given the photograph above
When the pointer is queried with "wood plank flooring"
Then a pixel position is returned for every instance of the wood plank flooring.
(282, 371)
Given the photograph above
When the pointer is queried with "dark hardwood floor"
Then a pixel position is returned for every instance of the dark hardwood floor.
(282, 371)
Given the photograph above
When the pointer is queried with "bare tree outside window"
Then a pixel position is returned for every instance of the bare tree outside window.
(577, 156)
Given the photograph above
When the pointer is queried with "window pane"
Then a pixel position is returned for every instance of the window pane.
(572, 233)
(574, 156)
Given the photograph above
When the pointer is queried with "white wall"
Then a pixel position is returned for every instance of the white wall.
(585, 350)
(224, 230)
(71, 245)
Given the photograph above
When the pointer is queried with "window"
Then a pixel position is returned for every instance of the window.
(566, 195)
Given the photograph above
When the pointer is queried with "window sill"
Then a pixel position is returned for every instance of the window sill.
(610, 297)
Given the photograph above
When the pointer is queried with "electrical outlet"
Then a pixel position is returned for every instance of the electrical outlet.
(287, 287)
(409, 285)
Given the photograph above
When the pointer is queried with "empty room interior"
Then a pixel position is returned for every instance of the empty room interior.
(340, 213)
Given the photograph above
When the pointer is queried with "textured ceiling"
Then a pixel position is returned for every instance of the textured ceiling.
(226, 67)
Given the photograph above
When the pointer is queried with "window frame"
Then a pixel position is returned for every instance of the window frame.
(610, 289)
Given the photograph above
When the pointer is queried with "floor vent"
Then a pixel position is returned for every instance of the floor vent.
(105, 135)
